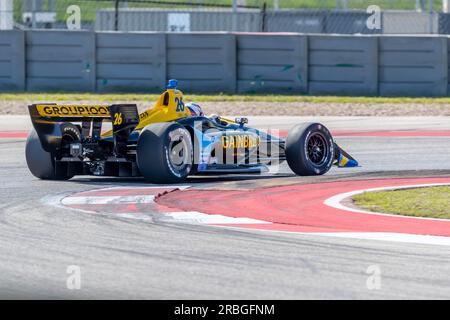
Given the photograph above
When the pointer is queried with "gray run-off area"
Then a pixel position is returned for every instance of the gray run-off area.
(121, 258)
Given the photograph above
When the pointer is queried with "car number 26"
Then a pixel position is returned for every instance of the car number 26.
(180, 104)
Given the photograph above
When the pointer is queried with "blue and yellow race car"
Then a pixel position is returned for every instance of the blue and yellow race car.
(167, 143)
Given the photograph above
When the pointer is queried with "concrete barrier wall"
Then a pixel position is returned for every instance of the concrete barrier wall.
(202, 62)
(272, 63)
(342, 65)
(58, 60)
(413, 66)
(12, 57)
(225, 62)
(130, 62)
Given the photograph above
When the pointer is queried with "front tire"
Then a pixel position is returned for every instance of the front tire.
(310, 149)
(164, 153)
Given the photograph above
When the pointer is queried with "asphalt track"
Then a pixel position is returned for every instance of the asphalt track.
(160, 259)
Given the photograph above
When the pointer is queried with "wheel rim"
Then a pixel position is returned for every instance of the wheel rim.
(317, 149)
(179, 151)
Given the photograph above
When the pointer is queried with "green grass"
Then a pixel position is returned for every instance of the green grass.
(217, 97)
(431, 202)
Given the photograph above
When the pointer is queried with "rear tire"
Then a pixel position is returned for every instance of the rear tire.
(40, 162)
(310, 149)
(164, 153)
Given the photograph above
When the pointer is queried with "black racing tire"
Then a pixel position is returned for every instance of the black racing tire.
(165, 153)
(69, 133)
(310, 149)
(42, 163)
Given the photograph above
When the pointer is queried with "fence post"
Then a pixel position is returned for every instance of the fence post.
(263, 17)
(116, 15)
(430, 18)
(33, 14)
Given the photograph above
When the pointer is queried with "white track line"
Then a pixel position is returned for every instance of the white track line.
(390, 236)
(139, 187)
(374, 236)
(88, 200)
(203, 218)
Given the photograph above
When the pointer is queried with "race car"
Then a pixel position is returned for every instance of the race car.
(167, 143)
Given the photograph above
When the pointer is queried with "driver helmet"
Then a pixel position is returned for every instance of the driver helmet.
(195, 109)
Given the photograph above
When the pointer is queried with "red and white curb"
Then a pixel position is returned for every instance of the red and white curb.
(318, 209)
(13, 134)
(306, 209)
(139, 203)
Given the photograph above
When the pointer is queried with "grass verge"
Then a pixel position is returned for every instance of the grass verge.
(430, 202)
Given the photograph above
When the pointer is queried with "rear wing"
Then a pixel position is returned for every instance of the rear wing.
(47, 117)
(69, 112)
